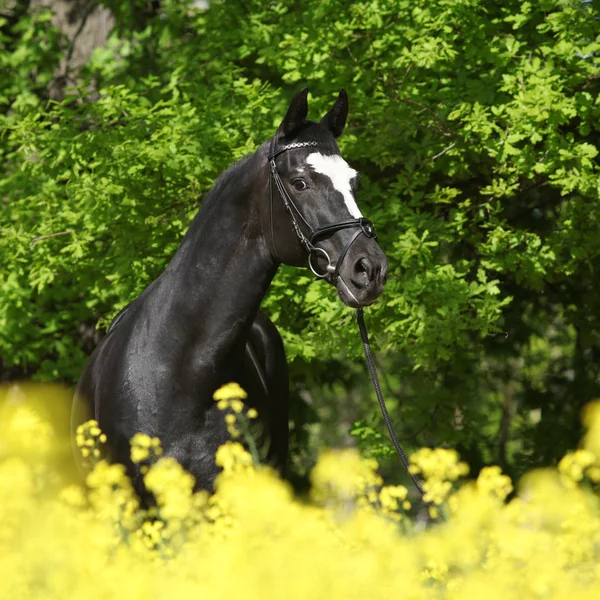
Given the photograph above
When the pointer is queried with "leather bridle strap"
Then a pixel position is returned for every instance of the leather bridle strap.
(366, 228)
(298, 220)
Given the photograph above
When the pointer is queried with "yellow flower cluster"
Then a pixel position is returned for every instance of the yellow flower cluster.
(439, 467)
(232, 457)
(112, 496)
(575, 465)
(229, 399)
(344, 474)
(89, 439)
(229, 391)
(253, 539)
(491, 482)
(145, 449)
(23, 430)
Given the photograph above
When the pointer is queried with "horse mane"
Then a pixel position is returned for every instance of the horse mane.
(224, 178)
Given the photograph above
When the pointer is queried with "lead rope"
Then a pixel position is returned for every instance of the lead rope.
(384, 411)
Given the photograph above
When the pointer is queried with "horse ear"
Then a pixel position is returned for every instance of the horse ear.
(335, 119)
(296, 114)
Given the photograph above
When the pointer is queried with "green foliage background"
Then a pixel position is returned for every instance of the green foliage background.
(475, 126)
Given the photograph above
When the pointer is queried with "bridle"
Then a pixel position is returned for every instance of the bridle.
(364, 225)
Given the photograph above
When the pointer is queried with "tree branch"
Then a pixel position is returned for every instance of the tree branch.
(38, 239)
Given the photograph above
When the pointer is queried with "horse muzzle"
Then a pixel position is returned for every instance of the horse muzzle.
(360, 279)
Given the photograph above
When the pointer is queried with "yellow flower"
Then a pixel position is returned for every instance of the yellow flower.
(237, 405)
(230, 391)
(573, 465)
(25, 431)
(594, 474)
(343, 474)
(142, 440)
(232, 456)
(351, 543)
(390, 495)
(439, 463)
(144, 447)
(73, 495)
(493, 483)
(139, 453)
(591, 420)
(172, 487)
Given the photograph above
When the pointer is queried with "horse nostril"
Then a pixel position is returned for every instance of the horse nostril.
(362, 272)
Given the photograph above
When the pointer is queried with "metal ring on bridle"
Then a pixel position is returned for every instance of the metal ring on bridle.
(328, 269)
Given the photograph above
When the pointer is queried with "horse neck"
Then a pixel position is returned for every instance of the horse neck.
(223, 267)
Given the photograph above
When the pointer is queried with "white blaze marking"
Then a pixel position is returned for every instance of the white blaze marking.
(340, 173)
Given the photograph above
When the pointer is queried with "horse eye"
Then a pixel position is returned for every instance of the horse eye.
(299, 184)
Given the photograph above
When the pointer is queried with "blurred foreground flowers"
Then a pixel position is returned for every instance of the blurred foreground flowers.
(252, 539)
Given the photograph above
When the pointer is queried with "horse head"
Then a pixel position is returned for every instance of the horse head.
(313, 218)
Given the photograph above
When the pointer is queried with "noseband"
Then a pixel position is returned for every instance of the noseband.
(364, 225)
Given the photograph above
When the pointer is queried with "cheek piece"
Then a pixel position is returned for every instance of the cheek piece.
(363, 226)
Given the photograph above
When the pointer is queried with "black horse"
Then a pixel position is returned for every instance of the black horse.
(198, 326)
